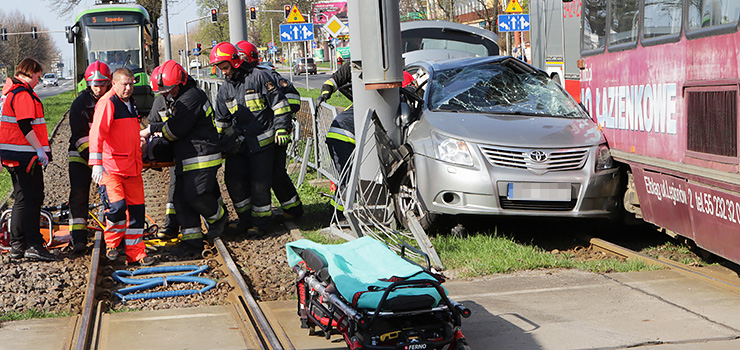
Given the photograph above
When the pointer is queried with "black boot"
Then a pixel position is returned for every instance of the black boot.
(188, 248)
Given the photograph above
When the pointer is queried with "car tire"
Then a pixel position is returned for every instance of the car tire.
(407, 198)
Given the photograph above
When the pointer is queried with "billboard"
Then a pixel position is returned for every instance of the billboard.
(322, 11)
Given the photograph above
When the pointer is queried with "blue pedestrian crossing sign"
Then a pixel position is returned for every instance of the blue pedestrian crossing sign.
(513, 23)
(296, 32)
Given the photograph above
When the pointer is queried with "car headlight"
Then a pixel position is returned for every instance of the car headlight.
(452, 150)
(604, 159)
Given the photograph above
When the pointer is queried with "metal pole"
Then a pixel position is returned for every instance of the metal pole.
(272, 39)
(237, 21)
(187, 47)
(562, 42)
(305, 45)
(166, 34)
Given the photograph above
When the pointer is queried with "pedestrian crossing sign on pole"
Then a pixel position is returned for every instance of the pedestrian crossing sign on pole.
(295, 16)
(514, 7)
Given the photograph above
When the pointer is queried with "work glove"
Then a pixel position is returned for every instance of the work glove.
(322, 98)
(282, 137)
(97, 173)
(43, 158)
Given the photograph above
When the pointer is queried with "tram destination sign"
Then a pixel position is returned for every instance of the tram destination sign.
(112, 19)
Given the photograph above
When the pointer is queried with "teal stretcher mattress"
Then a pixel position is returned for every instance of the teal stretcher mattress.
(362, 269)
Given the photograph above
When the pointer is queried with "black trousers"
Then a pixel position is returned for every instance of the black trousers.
(170, 220)
(197, 194)
(28, 191)
(282, 185)
(248, 180)
(79, 200)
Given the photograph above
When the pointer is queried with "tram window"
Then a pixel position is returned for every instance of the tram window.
(662, 18)
(624, 21)
(594, 24)
(710, 13)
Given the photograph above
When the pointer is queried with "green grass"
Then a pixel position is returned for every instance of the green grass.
(31, 314)
(54, 108)
(484, 254)
(337, 99)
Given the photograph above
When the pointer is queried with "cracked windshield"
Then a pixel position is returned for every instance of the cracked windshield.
(499, 89)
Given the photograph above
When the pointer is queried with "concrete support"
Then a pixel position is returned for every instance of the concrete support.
(237, 21)
(165, 33)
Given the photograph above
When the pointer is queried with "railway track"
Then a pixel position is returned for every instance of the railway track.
(247, 326)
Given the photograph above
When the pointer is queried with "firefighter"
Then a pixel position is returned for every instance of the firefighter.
(98, 78)
(159, 114)
(285, 191)
(340, 140)
(189, 127)
(252, 116)
(24, 148)
(115, 155)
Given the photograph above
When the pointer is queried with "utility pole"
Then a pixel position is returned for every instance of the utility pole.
(237, 21)
(166, 24)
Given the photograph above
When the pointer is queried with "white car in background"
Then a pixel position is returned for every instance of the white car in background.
(50, 79)
(195, 64)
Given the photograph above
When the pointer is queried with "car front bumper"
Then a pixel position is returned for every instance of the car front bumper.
(446, 188)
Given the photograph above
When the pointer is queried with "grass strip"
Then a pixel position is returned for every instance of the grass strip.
(32, 314)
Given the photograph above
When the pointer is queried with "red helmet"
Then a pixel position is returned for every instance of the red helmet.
(97, 74)
(248, 51)
(407, 79)
(153, 79)
(170, 75)
(225, 51)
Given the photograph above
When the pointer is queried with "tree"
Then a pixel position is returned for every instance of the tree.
(18, 47)
(207, 31)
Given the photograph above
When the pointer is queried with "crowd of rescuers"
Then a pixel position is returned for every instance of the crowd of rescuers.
(247, 127)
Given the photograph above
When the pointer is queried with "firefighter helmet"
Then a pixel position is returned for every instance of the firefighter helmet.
(225, 51)
(153, 79)
(248, 51)
(97, 74)
(170, 75)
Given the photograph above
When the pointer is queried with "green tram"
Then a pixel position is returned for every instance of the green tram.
(119, 35)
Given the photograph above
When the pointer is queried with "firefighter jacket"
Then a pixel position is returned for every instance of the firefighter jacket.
(114, 136)
(250, 105)
(342, 76)
(159, 112)
(287, 88)
(21, 102)
(343, 127)
(80, 119)
(189, 127)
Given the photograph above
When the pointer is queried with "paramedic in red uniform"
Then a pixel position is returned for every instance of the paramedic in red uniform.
(98, 77)
(24, 149)
(115, 155)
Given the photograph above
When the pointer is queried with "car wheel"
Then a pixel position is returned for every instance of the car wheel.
(407, 199)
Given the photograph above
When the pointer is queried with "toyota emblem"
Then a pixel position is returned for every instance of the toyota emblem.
(538, 156)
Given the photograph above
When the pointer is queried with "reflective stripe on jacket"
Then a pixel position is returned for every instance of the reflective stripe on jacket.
(21, 103)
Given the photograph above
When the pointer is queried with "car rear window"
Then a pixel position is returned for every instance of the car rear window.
(47, 76)
(500, 88)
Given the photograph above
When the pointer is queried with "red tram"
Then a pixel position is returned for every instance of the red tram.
(661, 78)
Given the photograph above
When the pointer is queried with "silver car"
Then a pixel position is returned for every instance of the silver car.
(496, 136)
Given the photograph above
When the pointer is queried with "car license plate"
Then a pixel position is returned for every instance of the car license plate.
(538, 191)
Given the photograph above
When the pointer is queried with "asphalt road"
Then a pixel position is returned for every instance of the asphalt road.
(47, 91)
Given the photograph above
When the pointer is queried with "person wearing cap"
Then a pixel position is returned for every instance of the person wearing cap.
(98, 78)
(249, 110)
(115, 157)
(159, 114)
(282, 185)
(188, 126)
(24, 149)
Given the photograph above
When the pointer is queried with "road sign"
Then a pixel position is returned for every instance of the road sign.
(334, 26)
(296, 32)
(514, 7)
(295, 16)
(196, 51)
(513, 23)
(213, 43)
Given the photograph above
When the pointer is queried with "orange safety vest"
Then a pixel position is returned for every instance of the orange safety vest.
(114, 136)
(21, 102)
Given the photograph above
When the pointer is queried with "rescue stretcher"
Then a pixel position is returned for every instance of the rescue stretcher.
(373, 297)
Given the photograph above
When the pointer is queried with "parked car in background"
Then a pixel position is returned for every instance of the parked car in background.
(496, 136)
(267, 64)
(304, 65)
(195, 64)
(50, 79)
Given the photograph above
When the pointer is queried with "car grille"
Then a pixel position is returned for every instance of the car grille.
(536, 160)
(537, 205)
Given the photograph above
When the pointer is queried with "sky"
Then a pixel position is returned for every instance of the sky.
(179, 12)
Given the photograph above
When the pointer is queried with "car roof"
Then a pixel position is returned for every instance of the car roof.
(432, 65)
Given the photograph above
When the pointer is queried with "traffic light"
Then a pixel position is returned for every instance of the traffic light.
(253, 13)
(34, 33)
(3, 34)
(214, 16)
(287, 8)
(198, 46)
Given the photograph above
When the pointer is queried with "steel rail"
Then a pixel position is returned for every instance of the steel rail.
(91, 310)
(703, 274)
(268, 338)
